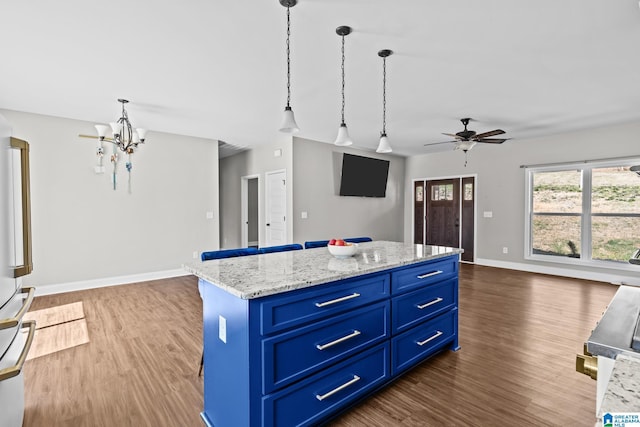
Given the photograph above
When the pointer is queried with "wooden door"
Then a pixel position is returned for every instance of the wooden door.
(443, 212)
(468, 220)
(418, 212)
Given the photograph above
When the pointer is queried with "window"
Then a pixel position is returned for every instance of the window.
(442, 192)
(468, 191)
(586, 213)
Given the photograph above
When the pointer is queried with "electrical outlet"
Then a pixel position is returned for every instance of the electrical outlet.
(505, 250)
(195, 254)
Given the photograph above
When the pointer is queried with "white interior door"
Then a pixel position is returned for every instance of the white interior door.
(276, 208)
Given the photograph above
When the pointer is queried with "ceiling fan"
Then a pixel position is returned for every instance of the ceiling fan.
(466, 139)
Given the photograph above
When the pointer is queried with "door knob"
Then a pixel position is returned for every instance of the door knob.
(268, 224)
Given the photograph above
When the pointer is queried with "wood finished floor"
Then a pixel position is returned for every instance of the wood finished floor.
(519, 334)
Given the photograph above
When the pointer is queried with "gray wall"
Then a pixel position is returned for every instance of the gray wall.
(501, 186)
(256, 161)
(316, 179)
(83, 229)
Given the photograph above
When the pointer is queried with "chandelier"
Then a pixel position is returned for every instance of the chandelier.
(124, 138)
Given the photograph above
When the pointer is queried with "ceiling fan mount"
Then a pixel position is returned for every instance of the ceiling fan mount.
(466, 134)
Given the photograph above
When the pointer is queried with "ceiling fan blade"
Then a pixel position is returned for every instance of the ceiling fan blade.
(493, 141)
(490, 133)
(452, 135)
(443, 142)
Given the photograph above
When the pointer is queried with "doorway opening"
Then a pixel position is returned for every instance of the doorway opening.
(250, 196)
(444, 213)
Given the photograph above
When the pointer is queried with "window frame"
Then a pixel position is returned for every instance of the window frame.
(586, 167)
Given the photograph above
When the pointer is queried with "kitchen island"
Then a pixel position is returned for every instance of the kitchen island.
(293, 338)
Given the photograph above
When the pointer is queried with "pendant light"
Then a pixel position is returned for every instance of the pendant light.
(343, 138)
(289, 124)
(383, 146)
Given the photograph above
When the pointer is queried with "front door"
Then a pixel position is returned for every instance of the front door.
(443, 213)
(276, 207)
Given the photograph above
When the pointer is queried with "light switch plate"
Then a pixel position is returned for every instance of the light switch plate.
(488, 214)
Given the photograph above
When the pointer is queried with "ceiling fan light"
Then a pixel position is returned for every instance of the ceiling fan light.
(289, 124)
(465, 145)
(383, 146)
(343, 138)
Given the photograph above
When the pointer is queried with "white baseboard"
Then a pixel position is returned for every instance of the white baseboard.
(615, 279)
(107, 281)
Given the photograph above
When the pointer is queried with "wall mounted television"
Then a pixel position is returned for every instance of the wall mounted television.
(363, 176)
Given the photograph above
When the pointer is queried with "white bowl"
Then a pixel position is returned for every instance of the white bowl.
(343, 251)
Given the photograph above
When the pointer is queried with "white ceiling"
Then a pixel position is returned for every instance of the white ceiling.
(216, 69)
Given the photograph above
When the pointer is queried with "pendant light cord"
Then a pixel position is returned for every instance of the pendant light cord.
(342, 80)
(288, 60)
(384, 95)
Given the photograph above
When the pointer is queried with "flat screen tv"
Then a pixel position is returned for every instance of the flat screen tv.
(363, 176)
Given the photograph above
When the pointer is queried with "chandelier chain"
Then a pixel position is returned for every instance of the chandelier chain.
(288, 55)
(384, 95)
(342, 80)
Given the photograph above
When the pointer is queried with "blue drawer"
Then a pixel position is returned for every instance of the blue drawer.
(290, 356)
(420, 342)
(423, 274)
(279, 313)
(316, 398)
(409, 309)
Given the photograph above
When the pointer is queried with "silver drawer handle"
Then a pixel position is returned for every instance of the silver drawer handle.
(333, 301)
(339, 340)
(435, 301)
(421, 343)
(354, 380)
(434, 273)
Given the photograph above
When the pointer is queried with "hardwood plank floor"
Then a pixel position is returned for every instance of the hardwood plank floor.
(519, 334)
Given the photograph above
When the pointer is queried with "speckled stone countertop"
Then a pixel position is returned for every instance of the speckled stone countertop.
(257, 276)
(623, 390)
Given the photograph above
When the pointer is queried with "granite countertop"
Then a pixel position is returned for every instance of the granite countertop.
(267, 274)
(623, 390)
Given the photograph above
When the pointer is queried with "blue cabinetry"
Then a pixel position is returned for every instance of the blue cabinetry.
(300, 357)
